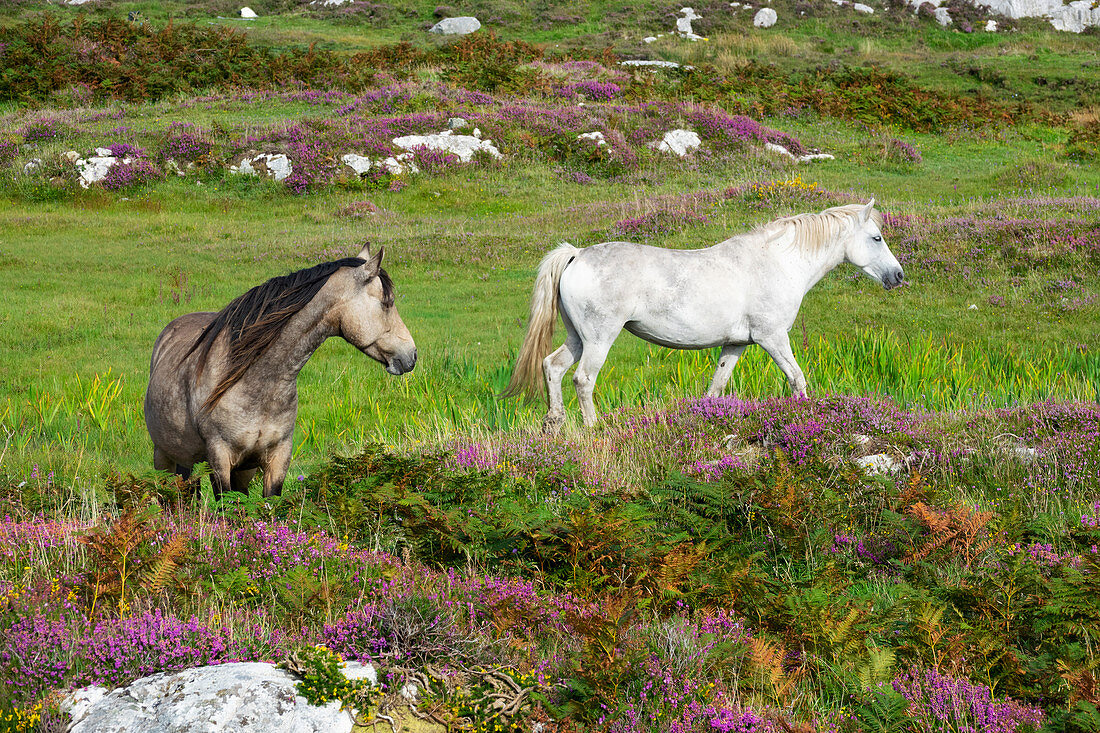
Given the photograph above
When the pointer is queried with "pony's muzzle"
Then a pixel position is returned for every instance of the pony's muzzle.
(401, 363)
(893, 279)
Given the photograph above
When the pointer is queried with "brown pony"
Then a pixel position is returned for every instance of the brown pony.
(223, 387)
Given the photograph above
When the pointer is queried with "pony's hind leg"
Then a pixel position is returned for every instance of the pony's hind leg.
(778, 347)
(584, 379)
(554, 368)
(727, 360)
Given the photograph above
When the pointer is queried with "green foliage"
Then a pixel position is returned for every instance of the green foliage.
(116, 59)
(1084, 142)
(322, 682)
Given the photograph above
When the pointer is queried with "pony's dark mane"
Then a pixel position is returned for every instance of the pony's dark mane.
(255, 319)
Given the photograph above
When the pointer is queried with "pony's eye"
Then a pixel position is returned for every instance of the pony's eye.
(877, 238)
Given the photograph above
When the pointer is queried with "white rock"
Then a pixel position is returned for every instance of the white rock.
(247, 13)
(649, 39)
(991, 26)
(329, 3)
(764, 18)
(94, 169)
(1074, 16)
(71, 155)
(456, 26)
(456, 123)
(77, 2)
(477, 132)
(807, 158)
(860, 7)
(683, 24)
(464, 146)
(881, 464)
(1025, 453)
(972, 307)
(227, 698)
(358, 163)
(943, 16)
(276, 165)
(653, 65)
(398, 164)
(32, 165)
(103, 152)
(678, 142)
(597, 136)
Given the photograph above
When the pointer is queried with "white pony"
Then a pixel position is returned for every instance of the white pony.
(745, 290)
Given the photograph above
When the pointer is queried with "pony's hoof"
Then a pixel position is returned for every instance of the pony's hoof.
(552, 423)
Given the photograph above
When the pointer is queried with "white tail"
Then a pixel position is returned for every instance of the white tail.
(527, 375)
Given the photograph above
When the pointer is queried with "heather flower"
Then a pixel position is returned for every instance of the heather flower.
(125, 175)
(185, 144)
(658, 223)
(9, 148)
(939, 702)
(43, 130)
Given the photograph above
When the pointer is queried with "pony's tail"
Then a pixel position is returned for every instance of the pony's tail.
(527, 375)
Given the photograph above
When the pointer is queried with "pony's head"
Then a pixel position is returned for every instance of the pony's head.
(366, 316)
(866, 249)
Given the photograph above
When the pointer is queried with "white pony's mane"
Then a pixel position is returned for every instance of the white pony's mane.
(812, 231)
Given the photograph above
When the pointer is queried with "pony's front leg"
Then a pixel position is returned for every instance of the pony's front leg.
(221, 469)
(778, 347)
(274, 466)
(727, 360)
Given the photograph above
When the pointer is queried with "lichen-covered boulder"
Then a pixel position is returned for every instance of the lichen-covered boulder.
(678, 142)
(228, 698)
(460, 26)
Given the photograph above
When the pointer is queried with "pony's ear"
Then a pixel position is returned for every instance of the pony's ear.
(364, 254)
(370, 268)
(866, 213)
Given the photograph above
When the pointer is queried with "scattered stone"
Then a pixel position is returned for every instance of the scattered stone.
(991, 26)
(679, 142)
(477, 132)
(358, 163)
(881, 464)
(275, 165)
(972, 307)
(32, 165)
(653, 65)
(683, 24)
(71, 155)
(464, 146)
(765, 18)
(456, 123)
(247, 13)
(95, 168)
(649, 39)
(398, 164)
(228, 698)
(861, 8)
(329, 3)
(460, 26)
(942, 16)
(77, 2)
(807, 158)
(597, 136)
